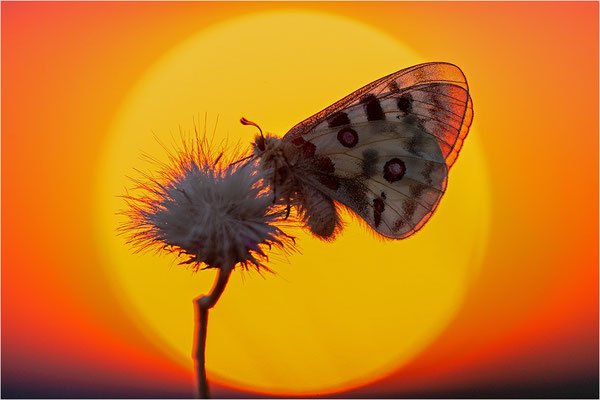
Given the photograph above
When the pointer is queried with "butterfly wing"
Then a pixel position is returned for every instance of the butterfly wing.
(389, 145)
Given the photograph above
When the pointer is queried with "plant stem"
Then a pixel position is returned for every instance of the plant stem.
(203, 304)
(203, 392)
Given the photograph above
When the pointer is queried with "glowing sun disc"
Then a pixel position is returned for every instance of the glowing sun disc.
(338, 315)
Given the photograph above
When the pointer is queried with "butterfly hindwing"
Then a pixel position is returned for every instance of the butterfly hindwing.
(392, 181)
(384, 151)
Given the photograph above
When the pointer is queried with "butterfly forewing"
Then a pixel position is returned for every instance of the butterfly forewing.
(388, 146)
(413, 94)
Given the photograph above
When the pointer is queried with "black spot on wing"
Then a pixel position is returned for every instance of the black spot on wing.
(427, 171)
(373, 108)
(338, 119)
(405, 103)
(369, 162)
(354, 193)
(400, 223)
(378, 208)
(414, 144)
(417, 189)
(409, 207)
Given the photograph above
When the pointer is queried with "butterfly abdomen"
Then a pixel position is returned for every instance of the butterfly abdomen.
(318, 212)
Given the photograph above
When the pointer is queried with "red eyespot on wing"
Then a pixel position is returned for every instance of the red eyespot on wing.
(394, 170)
(308, 149)
(347, 137)
(298, 141)
(324, 164)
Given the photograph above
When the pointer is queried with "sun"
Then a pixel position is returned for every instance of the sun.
(339, 314)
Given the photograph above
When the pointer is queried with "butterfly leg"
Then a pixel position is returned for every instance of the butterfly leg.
(274, 188)
(288, 209)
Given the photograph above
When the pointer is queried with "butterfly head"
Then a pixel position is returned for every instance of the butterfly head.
(266, 147)
(263, 145)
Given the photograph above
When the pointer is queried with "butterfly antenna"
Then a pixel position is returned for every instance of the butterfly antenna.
(243, 159)
(244, 121)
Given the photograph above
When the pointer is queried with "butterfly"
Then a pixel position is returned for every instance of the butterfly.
(384, 152)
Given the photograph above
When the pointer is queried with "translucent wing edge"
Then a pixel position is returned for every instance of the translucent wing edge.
(309, 123)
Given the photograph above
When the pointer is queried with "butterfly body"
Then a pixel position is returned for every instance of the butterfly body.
(384, 152)
(295, 177)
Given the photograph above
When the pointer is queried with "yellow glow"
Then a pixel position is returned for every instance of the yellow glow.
(340, 314)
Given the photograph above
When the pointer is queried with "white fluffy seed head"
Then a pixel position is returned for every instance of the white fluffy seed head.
(215, 213)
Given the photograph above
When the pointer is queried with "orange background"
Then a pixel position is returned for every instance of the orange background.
(529, 324)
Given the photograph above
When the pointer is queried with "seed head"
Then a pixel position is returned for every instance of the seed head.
(215, 213)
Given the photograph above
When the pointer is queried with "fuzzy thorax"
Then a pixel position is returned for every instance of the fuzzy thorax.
(275, 166)
(269, 152)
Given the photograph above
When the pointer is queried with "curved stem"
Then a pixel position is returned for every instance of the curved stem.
(203, 304)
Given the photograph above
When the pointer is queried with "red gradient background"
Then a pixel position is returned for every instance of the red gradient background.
(529, 325)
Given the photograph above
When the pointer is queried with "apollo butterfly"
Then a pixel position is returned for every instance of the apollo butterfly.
(383, 151)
